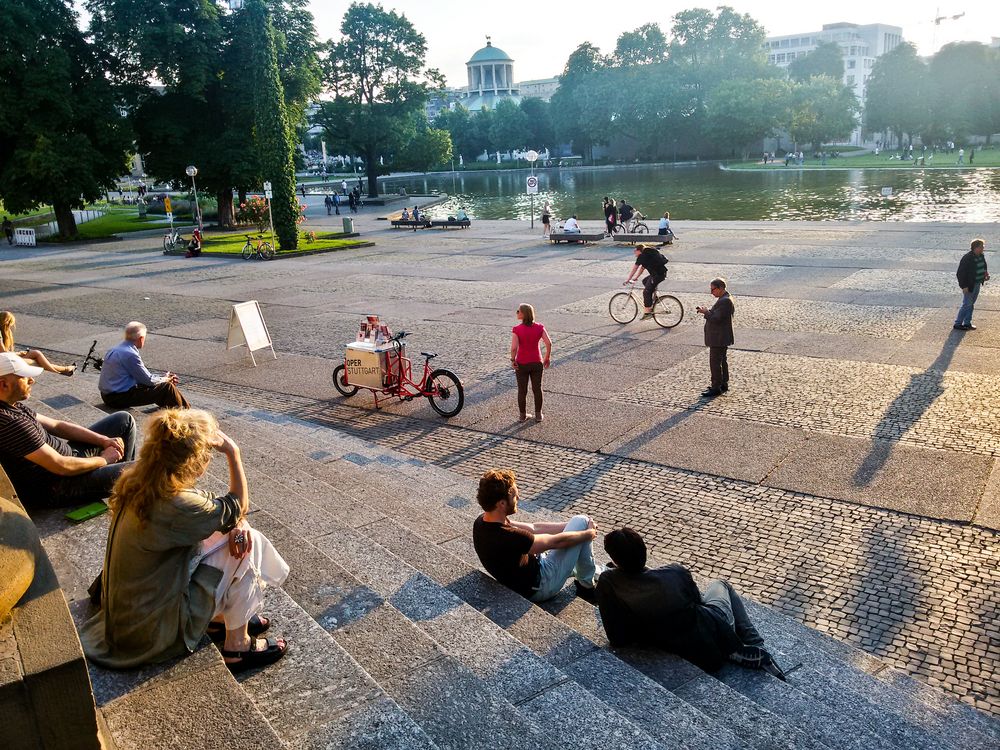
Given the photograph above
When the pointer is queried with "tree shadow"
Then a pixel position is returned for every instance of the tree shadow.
(906, 410)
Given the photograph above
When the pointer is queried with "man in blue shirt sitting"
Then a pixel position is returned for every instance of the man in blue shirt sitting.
(125, 381)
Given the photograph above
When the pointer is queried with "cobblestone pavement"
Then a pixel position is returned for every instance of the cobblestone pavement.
(955, 411)
(775, 314)
(919, 593)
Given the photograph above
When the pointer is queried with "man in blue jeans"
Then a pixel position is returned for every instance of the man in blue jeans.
(533, 559)
(972, 273)
(53, 462)
(663, 608)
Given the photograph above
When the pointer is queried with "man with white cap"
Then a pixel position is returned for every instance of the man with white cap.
(52, 462)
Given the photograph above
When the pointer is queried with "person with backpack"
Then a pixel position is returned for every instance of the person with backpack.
(650, 260)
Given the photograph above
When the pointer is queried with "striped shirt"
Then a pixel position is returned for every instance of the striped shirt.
(21, 434)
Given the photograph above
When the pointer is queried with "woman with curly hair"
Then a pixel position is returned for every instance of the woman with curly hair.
(32, 356)
(180, 562)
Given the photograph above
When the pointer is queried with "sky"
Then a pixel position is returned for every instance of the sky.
(541, 35)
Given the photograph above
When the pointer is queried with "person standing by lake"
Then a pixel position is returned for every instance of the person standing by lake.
(526, 359)
(972, 274)
(610, 215)
(546, 219)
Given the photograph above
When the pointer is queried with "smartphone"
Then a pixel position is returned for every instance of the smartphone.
(87, 512)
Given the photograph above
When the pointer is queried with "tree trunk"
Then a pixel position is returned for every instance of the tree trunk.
(371, 172)
(226, 218)
(65, 220)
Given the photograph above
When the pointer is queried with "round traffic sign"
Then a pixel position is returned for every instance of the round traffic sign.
(531, 155)
(532, 182)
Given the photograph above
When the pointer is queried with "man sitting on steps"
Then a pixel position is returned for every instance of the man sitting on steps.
(52, 462)
(663, 608)
(125, 381)
(533, 559)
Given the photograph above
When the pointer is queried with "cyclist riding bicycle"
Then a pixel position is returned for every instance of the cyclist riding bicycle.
(625, 212)
(650, 260)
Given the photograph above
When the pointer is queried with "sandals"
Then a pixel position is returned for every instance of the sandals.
(68, 370)
(257, 625)
(255, 657)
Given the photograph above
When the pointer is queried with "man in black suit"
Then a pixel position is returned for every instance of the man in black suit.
(718, 337)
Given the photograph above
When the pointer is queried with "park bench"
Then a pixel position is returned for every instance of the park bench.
(410, 224)
(450, 223)
(650, 239)
(576, 237)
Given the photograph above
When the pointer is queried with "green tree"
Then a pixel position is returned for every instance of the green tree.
(200, 55)
(379, 81)
(570, 112)
(823, 110)
(965, 89)
(541, 133)
(272, 131)
(896, 96)
(743, 113)
(644, 46)
(510, 126)
(465, 138)
(64, 140)
(482, 128)
(826, 60)
(430, 147)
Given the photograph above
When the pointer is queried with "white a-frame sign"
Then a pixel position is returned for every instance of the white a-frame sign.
(247, 328)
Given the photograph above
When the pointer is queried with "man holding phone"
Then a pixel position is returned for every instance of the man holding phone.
(54, 463)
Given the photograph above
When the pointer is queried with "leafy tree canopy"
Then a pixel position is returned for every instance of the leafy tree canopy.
(64, 140)
(378, 77)
(826, 60)
(644, 46)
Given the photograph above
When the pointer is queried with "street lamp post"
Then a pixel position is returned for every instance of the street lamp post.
(191, 172)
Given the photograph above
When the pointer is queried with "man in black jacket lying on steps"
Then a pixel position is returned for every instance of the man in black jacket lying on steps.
(663, 608)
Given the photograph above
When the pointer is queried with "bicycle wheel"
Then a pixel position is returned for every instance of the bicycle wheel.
(247, 251)
(445, 393)
(623, 307)
(168, 243)
(341, 384)
(640, 228)
(618, 229)
(667, 311)
(266, 251)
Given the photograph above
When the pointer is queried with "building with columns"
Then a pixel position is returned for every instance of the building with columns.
(490, 78)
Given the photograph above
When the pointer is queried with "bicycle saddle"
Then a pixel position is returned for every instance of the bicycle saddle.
(429, 355)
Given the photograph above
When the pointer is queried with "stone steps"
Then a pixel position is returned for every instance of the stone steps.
(831, 724)
(400, 640)
(824, 722)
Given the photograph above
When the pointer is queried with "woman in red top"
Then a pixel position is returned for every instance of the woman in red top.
(526, 359)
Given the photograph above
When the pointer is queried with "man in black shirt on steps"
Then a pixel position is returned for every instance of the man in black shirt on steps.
(663, 608)
(533, 559)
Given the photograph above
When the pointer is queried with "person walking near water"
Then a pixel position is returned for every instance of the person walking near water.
(972, 274)
(546, 219)
(526, 359)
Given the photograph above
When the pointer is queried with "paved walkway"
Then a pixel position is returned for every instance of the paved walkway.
(848, 478)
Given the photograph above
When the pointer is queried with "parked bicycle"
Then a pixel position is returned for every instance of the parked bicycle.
(668, 311)
(634, 225)
(262, 249)
(440, 387)
(171, 241)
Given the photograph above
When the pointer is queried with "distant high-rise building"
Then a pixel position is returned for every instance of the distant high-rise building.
(861, 44)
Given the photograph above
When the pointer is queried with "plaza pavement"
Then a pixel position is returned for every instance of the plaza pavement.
(848, 478)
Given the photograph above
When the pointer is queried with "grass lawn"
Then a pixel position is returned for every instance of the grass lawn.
(988, 158)
(116, 221)
(233, 243)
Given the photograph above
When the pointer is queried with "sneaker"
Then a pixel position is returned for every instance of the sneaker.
(587, 593)
(770, 666)
(751, 657)
(970, 327)
(646, 316)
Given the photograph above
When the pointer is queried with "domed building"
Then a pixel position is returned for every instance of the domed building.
(491, 79)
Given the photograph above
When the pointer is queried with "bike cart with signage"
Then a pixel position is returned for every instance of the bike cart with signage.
(377, 362)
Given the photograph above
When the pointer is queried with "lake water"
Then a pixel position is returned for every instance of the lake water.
(709, 193)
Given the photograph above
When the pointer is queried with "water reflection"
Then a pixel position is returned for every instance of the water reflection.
(710, 193)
